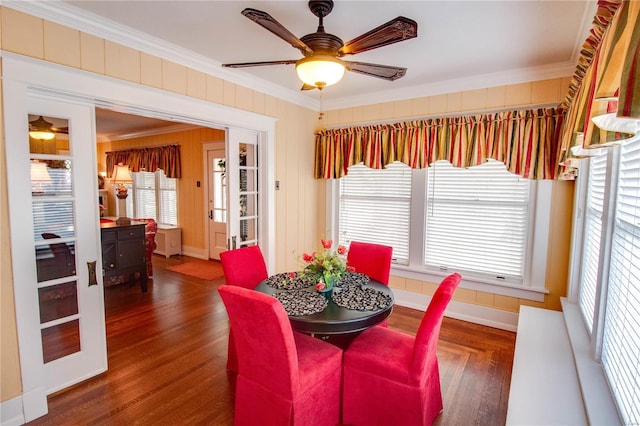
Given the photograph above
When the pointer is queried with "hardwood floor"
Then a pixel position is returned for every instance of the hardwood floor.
(167, 352)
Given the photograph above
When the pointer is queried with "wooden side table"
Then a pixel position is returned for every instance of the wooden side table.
(168, 240)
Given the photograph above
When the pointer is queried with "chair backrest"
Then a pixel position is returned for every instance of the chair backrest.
(426, 343)
(61, 251)
(264, 339)
(244, 267)
(370, 259)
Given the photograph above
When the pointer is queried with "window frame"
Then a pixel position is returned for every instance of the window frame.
(133, 191)
(533, 286)
(587, 341)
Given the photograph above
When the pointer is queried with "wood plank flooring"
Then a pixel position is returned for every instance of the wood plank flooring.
(167, 352)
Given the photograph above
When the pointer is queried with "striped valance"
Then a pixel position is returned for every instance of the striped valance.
(150, 159)
(525, 141)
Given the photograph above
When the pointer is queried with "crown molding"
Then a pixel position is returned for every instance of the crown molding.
(150, 132)
(524, 75)
(81, 20)
(84, 21)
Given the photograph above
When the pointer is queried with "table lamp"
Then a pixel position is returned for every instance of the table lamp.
(120, 176)
(39, 177)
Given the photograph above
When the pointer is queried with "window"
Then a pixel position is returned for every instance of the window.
(375, 207)
(592, 235)
(153, 195)
(441, 219)
(615, 332)
(476, 220)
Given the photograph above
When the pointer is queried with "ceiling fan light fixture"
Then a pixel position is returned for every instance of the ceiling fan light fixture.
(41, 129)
(320, 70)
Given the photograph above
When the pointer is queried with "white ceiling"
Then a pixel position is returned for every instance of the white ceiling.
(461, 45)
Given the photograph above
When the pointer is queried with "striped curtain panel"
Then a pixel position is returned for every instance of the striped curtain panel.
(166, 158)
(526, 141)
(609, 69)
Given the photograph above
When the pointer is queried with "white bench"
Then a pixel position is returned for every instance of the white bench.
(544, 382)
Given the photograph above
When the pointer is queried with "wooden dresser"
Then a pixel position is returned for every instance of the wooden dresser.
(123, 251)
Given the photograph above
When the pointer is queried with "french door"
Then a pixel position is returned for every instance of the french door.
(55, 244)
(217, 198)
(242, 167)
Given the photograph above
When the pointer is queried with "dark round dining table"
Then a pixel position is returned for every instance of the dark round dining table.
(335, 319)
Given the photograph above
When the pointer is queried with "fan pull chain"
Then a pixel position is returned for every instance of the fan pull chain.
(321, 115)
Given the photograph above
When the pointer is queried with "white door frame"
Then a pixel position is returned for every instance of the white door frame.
(206, 149)
(127, 97)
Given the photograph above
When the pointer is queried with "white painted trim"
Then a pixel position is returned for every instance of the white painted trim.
(11, 412)
(72, 17)
(89, 23)
(198, 253)
(536, 276)
(598, 401)
(477, 314)
(148, 132)
(544, 384)
(75, 85)
(559, 70)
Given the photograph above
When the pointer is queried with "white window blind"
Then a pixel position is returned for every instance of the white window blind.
(145, 195)
(592, 235)
(477, 220)
(621, 334)
(375, 207)
(167, 199)
(154, 196)
(51, 215)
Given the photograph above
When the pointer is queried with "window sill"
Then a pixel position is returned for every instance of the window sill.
(597, 398)
(474, 283)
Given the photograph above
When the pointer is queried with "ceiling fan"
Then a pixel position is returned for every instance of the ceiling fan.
(321, 65)
(42, 129)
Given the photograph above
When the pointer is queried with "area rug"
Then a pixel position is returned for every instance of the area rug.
(203, 269)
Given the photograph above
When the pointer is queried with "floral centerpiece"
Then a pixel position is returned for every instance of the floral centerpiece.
(325, 268)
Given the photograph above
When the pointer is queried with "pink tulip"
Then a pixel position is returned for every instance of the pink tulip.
(308, 257)
(326, 243)
(342, 250)
(321, 286)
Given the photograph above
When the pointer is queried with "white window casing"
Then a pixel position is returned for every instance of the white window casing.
(530, 285)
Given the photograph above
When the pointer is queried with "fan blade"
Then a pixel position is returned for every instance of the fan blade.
(265, 20)
(398, 29)
(60, 130)
(260, 64)
(385, 72)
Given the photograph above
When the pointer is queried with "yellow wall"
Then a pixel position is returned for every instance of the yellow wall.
(191, 208)
(299, 205)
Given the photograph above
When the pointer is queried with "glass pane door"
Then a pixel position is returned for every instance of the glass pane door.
(54, 235)
(53, 208)
(243, 188)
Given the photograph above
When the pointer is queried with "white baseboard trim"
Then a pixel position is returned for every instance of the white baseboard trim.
(483, 315)
(11, 412)
(198, 253)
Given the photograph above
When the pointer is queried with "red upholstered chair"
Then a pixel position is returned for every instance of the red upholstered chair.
(244, 267)
(285, 377)
(370, 259)
(373, 260)
(392, 378)
(150, 230)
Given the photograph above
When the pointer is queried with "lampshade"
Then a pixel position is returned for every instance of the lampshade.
(39, 173)
(41, 129)
(320, 70)
(121, 174)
